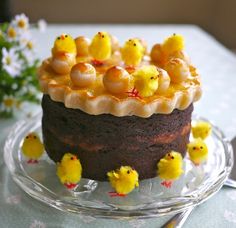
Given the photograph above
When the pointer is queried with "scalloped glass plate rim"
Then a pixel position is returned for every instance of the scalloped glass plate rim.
(154, 210)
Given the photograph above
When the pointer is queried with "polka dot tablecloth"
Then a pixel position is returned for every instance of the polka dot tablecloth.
(217, 66)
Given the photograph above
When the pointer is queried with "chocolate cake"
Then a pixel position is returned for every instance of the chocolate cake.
(105, 142)
(110, 113)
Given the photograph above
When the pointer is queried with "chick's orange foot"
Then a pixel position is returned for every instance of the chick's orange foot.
(70, 185)
(115, 194)
(167, 184)
(32, 161)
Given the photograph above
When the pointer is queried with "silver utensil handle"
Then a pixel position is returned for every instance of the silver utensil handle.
(230, 183)
(178, 220)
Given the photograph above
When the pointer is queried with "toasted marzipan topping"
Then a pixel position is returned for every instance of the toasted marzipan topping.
(84, 68)
(116, 73)
(95, 100)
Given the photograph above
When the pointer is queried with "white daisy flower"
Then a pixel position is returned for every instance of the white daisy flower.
(31, 45)
(21, 21)
(10, 62)
(24, 38)
(29, 56)
(8, 103)
(42, 25)
(12, 33)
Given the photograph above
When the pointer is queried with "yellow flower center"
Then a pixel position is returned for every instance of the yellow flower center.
(8, 60)
(30, 45)
(21, 23)
(8, 102)
(11, 32)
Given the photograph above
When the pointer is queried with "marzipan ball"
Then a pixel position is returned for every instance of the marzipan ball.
(181, 55)
(178, 70)
(62, 63)
(157, 55)
(83, 74)
(164, 80)
(116, 80)
(82, 45)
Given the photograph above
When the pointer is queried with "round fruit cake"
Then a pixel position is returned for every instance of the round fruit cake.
(113, 106)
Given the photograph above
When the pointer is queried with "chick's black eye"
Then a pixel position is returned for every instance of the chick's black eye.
(102, 36)
(66, 36)
(172, 157)
(71, 158)
(194, 148)
(27, 137)
(201, 147)
(34, 137)
(128, 172)
(135, 44)
(168, 154)
(58, 38)
(152, 78)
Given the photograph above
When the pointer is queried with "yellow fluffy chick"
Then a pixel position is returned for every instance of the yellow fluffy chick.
(198, 151)
(201, 130)
(173, 44)
(69, 170)
(64, 44)
(146, 81)
(63, 54)
(100, 47)
(32, 147)
(132, 52)
(123, 180)
(170, 168)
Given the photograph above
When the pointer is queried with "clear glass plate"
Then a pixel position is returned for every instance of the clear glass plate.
(91, 197)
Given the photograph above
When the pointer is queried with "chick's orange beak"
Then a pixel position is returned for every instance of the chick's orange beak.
(62, 36)
(30, 136)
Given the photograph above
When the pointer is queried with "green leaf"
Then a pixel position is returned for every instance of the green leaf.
(4, 27)
(5, 114)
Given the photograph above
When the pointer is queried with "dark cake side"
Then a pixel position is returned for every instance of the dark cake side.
(105, 142)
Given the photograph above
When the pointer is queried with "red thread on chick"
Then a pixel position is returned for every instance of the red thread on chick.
(134, 93)
(97, 62)
(166, 184)
(70, 185)
(115, 194)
